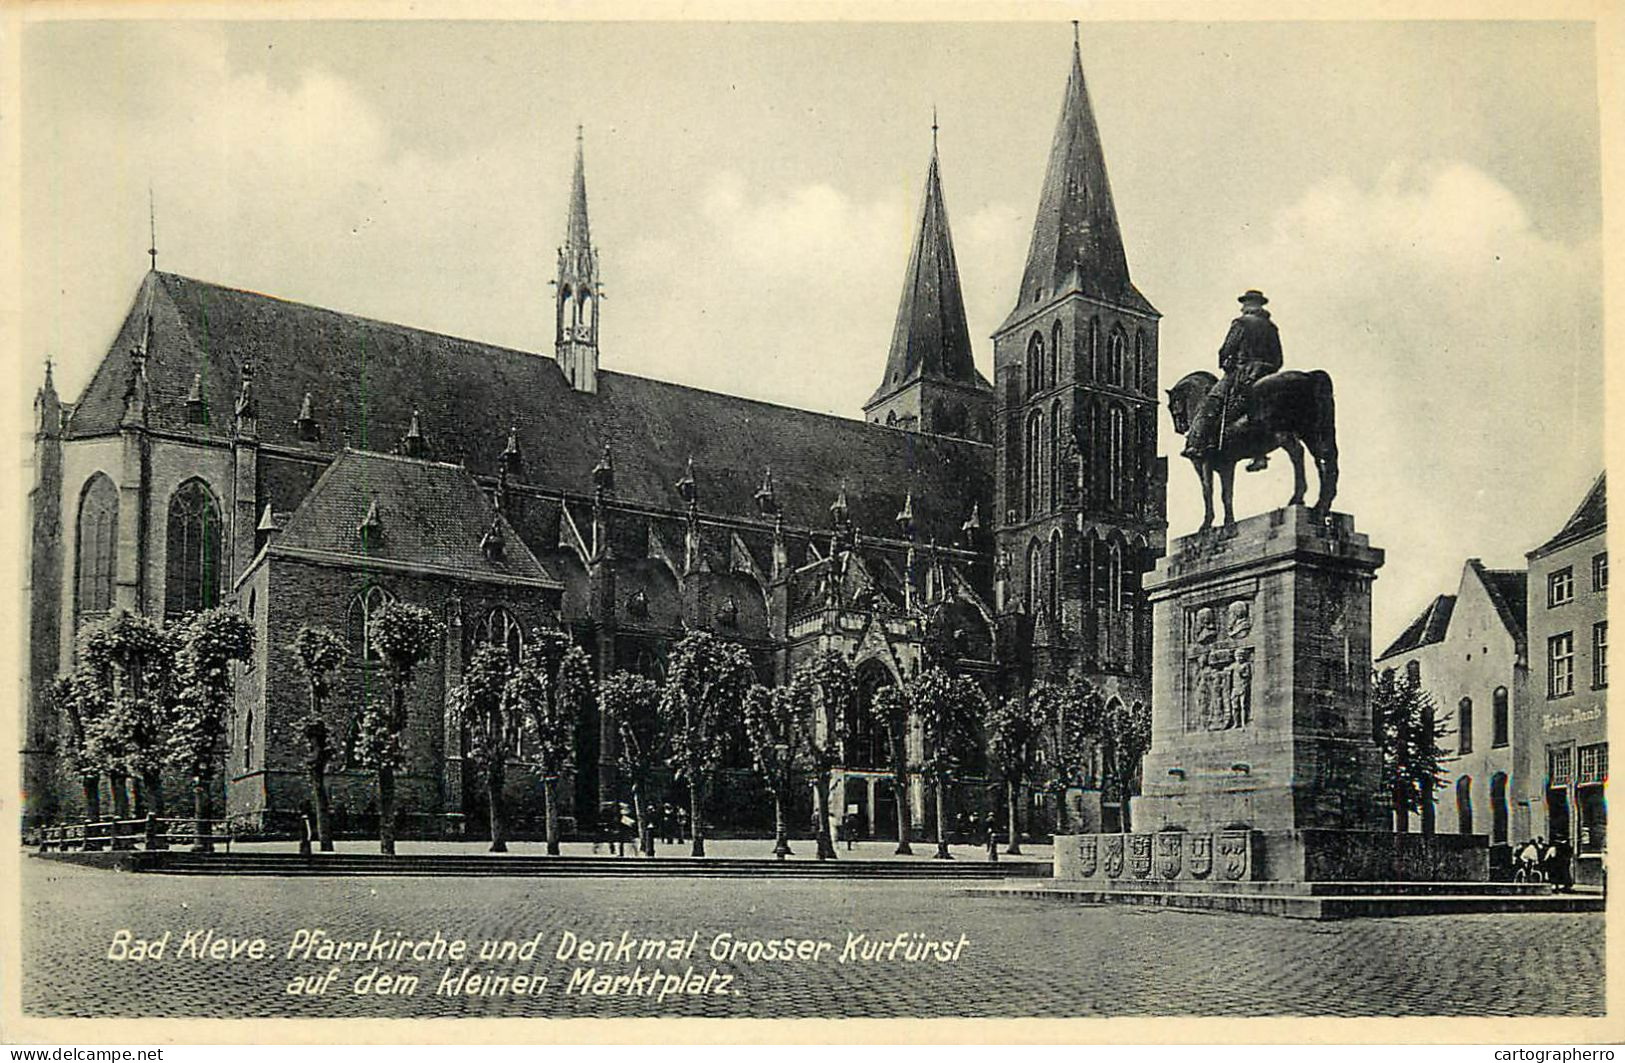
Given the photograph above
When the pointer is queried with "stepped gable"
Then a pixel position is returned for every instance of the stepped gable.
(429, 515)
(366, 377)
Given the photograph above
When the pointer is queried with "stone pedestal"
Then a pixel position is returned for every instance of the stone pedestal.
(1263, 765)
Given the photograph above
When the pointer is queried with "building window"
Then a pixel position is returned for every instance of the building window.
(1055, 355)
(500, 628)
(1593, 805)
(97, 547)
(1114, 576)
(192, 576)
(1116, 357)
(1560, 587)
(1599, 572)
(1464, 726)
(363, 607)
(1559, 766)
(1057, 474)
(1035, 364)
(1140, 381)
(248, 742)
(1035, 577)
(1413, 672)
(1560, 665)
(1034, 468)
(1599, 655)
(1464, 805)
(1502, 733)
(1094, 349)
(1119, 454)
(1499, 811)
(1052, 565)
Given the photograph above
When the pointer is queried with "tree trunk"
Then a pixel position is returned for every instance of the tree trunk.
(386, 811)
(121, 794)
(152, 783)
(695, 823)
(550, 798)
(646, 841)
(826, 846)
(1014, 848)
(781, 837)
(493, 797)
(92, 787)
(942, 821)
(1402, 813)
(324, 817)
(904, 813)
(201, 815)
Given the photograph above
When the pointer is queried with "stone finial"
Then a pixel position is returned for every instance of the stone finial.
(686, 487)
(413, 444)
(371, 528)
(839, 512)
(603, 474)
(494, 542)
(905, 518)
(511, 455)
(309, 430)
(766, 504)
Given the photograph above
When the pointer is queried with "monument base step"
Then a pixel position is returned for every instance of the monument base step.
(1316, 900)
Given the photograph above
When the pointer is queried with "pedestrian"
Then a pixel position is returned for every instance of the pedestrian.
(1559, 866)
(991, 823)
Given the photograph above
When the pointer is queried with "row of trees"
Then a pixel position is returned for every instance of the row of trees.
(146, 695)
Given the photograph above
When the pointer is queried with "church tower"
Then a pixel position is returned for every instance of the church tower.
(931, 383)
(579, 290)
(1079, 486)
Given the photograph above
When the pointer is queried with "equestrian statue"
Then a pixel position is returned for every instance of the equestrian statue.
(1256, 408)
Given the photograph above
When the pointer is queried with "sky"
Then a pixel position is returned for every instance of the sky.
(1421, 201)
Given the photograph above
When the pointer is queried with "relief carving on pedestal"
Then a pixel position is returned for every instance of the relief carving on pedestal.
(1219, 666)
(1233, 851)
(1114, 855)
(1170, 851)
(1088, 854)
(1201, 855)
(1139, 855)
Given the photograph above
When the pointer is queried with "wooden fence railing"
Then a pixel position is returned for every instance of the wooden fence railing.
(153, 832)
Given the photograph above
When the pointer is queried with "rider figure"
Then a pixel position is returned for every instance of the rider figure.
(1251, 350)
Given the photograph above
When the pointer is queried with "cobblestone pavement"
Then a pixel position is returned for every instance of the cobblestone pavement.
(1023, 957)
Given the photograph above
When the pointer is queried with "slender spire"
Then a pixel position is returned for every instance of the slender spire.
(578, 233)
(930, 338)
(1076, 243)
(152, 230)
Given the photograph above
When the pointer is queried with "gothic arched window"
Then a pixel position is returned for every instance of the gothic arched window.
(1034, 463)
(1115, 358)
(1499, 812)
(1118, 450)
(1094, 350)
(1464, 804)
(1035, 576)
(1055, 355)
(98, 547)
(1052, 564)
(1057, 449)
(1114, 575)
(501, 628)
(1464, 725)
(192, 579)
(1035, 364)
(363, 607)
(1141, 383)
(1502, 723)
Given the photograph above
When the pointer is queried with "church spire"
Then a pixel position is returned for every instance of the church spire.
(930, 340)
(579, 290)
(1076, 242)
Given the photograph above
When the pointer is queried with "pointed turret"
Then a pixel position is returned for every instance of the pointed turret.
(579, 290)
(1076, 244)
(47, 408)
(931, 383)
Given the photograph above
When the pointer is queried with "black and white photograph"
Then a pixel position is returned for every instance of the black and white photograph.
(1056, 512)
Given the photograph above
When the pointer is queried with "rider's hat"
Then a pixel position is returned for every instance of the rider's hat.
(1252, 295)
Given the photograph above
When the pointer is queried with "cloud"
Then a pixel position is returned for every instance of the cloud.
(1466, 350)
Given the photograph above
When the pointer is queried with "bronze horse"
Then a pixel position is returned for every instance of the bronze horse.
(1288, 410)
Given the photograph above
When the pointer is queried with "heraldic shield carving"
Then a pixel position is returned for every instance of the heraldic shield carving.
(1201, 855)
(1114, 855)
(1088, 854)
(1139, 855)
(1170, 853)
(1233, 854)
(1219, 666)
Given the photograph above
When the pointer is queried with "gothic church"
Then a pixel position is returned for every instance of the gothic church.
(308, 465)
